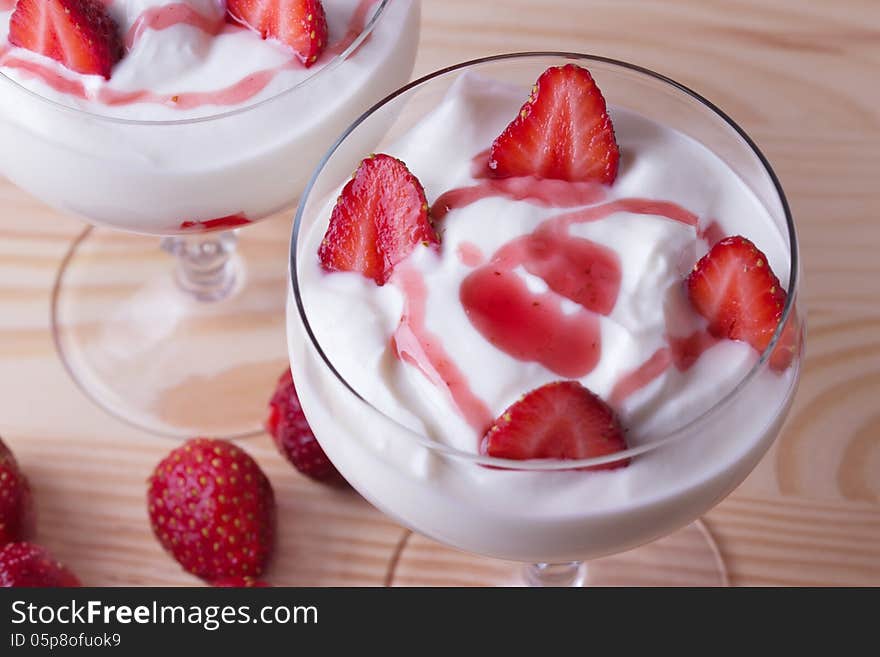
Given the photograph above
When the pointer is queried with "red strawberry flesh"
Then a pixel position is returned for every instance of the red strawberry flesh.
(79, 34)
(293, 436)
(16, 502)
(380, 218)
(561, 420)
(213, 509)
(29, 565)
(734, 288)
(562, 132)
(299, 24)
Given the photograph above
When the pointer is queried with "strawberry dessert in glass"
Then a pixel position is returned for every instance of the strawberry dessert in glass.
(542, 328)
(186, 119)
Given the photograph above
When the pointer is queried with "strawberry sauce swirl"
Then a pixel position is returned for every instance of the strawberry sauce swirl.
(529, 326)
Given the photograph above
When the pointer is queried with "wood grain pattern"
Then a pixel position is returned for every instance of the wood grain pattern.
(800, 76)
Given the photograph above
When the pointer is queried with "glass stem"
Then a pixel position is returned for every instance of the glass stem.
(555, 574)
(205, 267)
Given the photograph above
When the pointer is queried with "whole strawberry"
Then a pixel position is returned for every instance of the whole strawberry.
(213, 509)
(29, 565)
(292, 434)
(16, 505)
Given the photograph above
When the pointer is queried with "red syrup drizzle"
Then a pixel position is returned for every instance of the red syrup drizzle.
(415, 344)
(234, 94)
(538, 191)
(220, 223)
(712, 233)
(470, 254)
(532, 326)
(686, 350)
(165, 16)
(682, 352)
(547, 193)
(528, 326)
(58, 82)
(629, 383)
(666, 209)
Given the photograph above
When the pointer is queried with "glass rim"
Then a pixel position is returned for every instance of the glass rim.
(555, 464)
(332, 65)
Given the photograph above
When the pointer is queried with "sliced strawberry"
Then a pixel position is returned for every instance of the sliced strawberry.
(561, 420)
(78, 33)
(562, 132)
(300, 24)
(734, 288)
(379, 219)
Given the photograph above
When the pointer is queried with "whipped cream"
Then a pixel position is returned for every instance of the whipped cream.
(182, 60)
(671, 196)
(161, 178)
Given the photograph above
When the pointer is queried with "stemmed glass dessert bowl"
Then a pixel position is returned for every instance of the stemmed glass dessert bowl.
(150, 339)
(629, 525)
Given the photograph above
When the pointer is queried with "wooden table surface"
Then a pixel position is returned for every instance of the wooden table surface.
(800, 76)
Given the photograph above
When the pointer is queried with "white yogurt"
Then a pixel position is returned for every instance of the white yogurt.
(539, 516)
(154, 177)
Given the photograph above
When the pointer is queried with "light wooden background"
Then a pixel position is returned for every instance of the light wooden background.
(801, 77)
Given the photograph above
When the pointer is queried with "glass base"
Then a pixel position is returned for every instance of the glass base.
(688, 557)
(171, 342)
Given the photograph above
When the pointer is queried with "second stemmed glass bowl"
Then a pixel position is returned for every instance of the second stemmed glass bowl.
(194, 345)
(449, 494)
